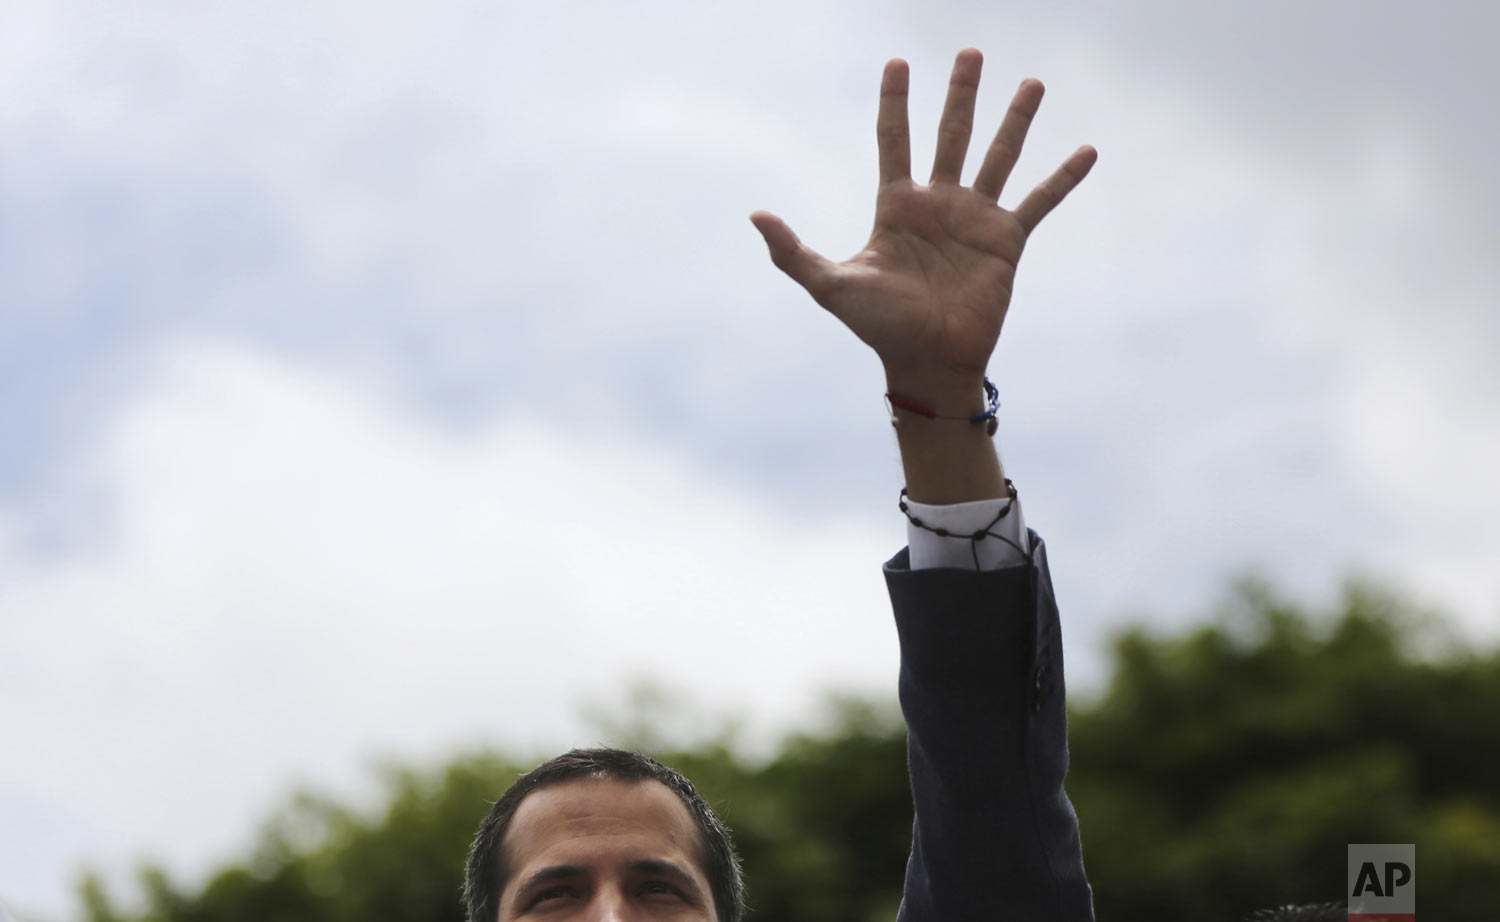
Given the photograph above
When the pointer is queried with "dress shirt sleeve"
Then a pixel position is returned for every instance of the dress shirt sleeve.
(958, 549)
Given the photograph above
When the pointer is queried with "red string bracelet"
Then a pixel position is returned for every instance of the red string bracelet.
(990, 392)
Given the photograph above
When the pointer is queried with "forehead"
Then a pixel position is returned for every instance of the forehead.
(590, 820)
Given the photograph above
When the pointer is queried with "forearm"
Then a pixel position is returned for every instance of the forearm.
(981, 688)
(946, 460)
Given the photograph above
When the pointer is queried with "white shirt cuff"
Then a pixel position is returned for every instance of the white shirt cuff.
(958, 549)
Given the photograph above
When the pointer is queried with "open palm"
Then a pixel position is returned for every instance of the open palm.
(930, 289)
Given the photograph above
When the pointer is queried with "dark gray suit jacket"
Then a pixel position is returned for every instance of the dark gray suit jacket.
(981, 687)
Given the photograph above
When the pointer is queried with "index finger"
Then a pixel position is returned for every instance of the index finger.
(891, 130)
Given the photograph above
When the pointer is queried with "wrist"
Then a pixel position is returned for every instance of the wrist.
(946, 393)
(951, 458)
(949, 464)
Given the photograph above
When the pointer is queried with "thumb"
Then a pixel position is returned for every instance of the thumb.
(807, 267)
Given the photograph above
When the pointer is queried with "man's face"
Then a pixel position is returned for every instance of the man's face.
(604, 851)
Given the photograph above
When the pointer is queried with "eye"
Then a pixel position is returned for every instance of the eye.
(550, 892)
(661, 886)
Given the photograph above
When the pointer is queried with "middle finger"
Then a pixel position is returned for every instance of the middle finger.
(958, 117)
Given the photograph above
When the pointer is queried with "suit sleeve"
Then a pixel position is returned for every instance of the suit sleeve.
(981, 688)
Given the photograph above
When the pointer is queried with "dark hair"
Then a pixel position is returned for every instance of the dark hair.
(487, 873)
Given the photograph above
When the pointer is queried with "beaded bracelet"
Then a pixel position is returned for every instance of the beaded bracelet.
(977, 536)
(992, 395)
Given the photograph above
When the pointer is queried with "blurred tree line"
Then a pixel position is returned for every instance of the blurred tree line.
(1222, 770)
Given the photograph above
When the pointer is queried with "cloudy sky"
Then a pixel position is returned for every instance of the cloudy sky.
(383, 379)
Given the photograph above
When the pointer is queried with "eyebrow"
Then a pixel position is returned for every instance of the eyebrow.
(639, 866)
(664, 869)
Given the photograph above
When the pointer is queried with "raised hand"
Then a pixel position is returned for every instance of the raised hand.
(930, 289)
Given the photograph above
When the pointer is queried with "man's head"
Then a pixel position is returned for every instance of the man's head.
(606, 829)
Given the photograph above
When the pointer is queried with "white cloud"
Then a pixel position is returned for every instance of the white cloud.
(298, 575)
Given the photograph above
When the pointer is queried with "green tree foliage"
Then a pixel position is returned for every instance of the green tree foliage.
(1231, 768)
(1222, 770)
